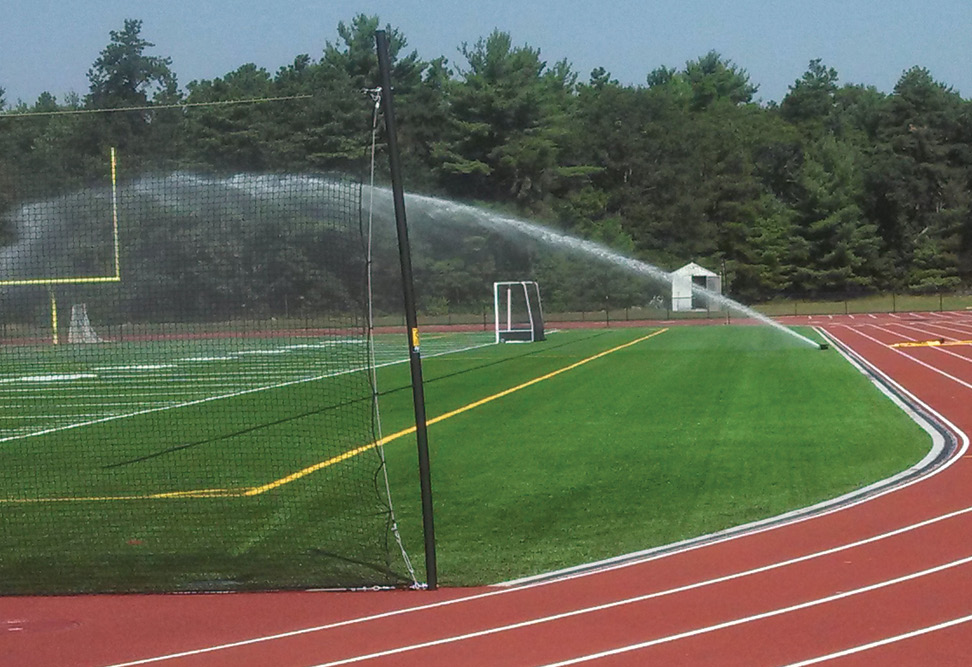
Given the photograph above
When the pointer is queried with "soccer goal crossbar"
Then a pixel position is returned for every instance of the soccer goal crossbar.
(518, 312)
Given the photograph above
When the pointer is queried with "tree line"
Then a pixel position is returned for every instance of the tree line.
(837, 189)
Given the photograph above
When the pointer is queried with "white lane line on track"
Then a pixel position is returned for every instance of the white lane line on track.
(908, 356)
(537, 621)
(924, 331)
(607, 567)
(882, 642)
(866, 494)
(961, 333)
(755, 617)
(924, 334)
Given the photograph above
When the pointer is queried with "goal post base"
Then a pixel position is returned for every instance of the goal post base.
(518, 312)
(81, 330)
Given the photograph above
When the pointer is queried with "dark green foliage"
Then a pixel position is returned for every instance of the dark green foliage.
(837, 189)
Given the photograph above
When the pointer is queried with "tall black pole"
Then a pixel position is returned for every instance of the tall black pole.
(411, 321)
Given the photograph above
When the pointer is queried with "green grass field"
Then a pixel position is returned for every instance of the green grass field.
(695, 430)
(167, 465)
(221, 464)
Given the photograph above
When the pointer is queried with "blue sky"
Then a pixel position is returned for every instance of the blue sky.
(50, 44)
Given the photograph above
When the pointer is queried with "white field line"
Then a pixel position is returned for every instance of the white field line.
(750, 619)
(219, 397)
(183, 374)
(882, 642)
(72, 404)
(607, 566)
(46, 393)
(52, 417)
(137, 368)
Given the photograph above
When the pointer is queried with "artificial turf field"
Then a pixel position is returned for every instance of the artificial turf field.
(692, 430)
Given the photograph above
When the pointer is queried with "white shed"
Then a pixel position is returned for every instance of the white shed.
(685, 298)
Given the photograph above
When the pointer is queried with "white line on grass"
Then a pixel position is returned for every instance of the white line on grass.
(185, 404)
(53, 377)
(209, 399)
(71, 416)
(73, 404)
(87, 394)
(143, 367)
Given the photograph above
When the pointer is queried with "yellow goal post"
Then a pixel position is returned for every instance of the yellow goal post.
(114, 277)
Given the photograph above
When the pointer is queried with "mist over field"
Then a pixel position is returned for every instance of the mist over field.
(837, 190)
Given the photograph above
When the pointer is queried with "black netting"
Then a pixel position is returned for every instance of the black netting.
(185, 388)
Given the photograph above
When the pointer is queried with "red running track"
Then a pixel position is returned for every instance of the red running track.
(886, 581)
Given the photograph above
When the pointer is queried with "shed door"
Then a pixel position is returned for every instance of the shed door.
(699, 301)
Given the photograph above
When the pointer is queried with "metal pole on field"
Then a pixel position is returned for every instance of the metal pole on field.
(411, 319)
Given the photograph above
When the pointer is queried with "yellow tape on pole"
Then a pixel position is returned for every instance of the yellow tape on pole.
(54, 337)
(114, 212)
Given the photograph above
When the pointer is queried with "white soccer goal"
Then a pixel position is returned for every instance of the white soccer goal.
(81, 330)
(518, 312)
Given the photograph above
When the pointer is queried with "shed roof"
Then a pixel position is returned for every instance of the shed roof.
(693, 269)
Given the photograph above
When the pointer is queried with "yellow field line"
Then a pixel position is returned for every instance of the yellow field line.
(351, 453)
(257, 490)
(941, 342)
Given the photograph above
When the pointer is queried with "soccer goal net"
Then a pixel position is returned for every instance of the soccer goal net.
(80, 330)
(518, 312)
